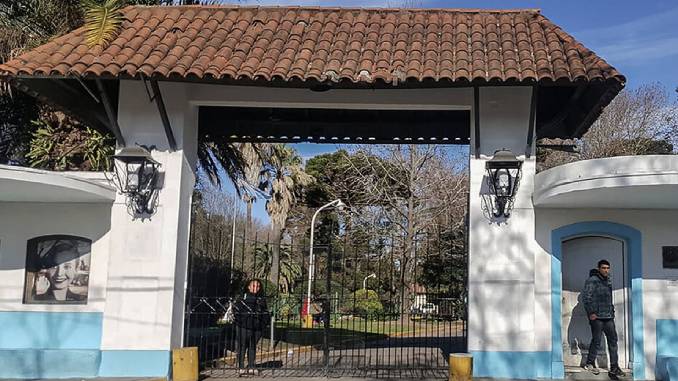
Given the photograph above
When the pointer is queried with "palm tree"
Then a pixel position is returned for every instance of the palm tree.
(284, 180)
(249, 186)
(25, 24)
(290, 271)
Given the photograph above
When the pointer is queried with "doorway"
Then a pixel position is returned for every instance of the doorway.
(385, 303)
(580, 255)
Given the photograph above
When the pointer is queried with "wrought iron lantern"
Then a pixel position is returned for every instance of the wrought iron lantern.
(135, 176)
(503, 175)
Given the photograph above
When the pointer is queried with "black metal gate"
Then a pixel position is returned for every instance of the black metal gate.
(379, 308)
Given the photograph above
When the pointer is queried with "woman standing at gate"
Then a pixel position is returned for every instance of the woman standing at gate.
(251, 318)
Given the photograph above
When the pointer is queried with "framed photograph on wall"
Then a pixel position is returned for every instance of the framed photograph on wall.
(57, 270)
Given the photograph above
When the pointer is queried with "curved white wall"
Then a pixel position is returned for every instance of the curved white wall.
(629, 182)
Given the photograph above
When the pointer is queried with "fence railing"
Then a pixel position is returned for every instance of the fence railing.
(378, 309)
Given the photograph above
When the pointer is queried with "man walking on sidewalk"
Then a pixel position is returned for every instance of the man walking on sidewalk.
(600, 310)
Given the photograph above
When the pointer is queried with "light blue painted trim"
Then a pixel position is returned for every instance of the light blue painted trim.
(48, 363)
(667, 347)
(516, 365)
(667, 337)
(133, 363)
(50, 330)
(633, 240)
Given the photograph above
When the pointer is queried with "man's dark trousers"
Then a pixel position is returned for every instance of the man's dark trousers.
(598, 327)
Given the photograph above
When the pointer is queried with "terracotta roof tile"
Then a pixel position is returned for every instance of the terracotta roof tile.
(358, 45)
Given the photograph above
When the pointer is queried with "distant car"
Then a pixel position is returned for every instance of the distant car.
(423, 311)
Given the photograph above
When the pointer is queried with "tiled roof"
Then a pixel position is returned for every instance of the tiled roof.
(337, 44)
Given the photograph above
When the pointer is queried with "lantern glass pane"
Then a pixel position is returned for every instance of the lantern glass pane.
(133, 170)
(151, 173)
(503, 182)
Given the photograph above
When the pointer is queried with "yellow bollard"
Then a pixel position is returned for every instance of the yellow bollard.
(308, 321)
(461, 367)
(185, 364)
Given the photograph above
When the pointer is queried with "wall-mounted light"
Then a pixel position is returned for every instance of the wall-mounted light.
(135, 176)
(503, 176)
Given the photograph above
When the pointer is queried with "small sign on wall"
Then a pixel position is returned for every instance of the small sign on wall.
(670, 257)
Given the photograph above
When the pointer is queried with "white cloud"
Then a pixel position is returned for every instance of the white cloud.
(635, 42)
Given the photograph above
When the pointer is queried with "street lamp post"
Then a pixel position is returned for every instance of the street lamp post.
(373, 275)
(235, 212)
(311, 264)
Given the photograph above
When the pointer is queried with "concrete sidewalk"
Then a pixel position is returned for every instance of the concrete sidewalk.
(573, 377)
(256, 378)
(578, 376)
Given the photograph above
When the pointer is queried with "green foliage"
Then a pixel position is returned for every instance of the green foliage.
(288, 306)
(60, 144)
(16, 113)
(648, 146)
(335, 175)
(319, 288)
(102, 21)
(269, 290)
(285, 181)
(365, 303)
(290, 271)
(212, 277)
(328, 170)
(445, 270)
(26, 24)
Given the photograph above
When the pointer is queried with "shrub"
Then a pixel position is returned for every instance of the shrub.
(288, 307)
(61, 144)
(364, 303)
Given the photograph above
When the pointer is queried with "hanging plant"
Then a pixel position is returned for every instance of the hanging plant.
(61, 144)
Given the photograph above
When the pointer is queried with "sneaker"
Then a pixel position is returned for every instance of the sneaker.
(617, 371)
(591, 368)
(242, 372)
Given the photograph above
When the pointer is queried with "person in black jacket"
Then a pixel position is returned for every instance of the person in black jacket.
(251, 318)
(600, 310)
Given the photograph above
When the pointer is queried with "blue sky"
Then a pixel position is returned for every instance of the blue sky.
(307, 151)
(639, 38)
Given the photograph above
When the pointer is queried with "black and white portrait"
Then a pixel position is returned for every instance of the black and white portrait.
(57, 270)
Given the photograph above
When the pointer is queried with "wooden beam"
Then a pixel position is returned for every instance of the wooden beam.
(533, 116)
(157, 96)
(112, 118)
(69, 99)
(476, 120)
(558, 120)
(336, 125)
(571, 148)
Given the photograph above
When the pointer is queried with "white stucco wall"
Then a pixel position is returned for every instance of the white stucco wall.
(660, 295)
(501, 254)
(20, 222)
(143, 284)
(147, 277)
(138, 274)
